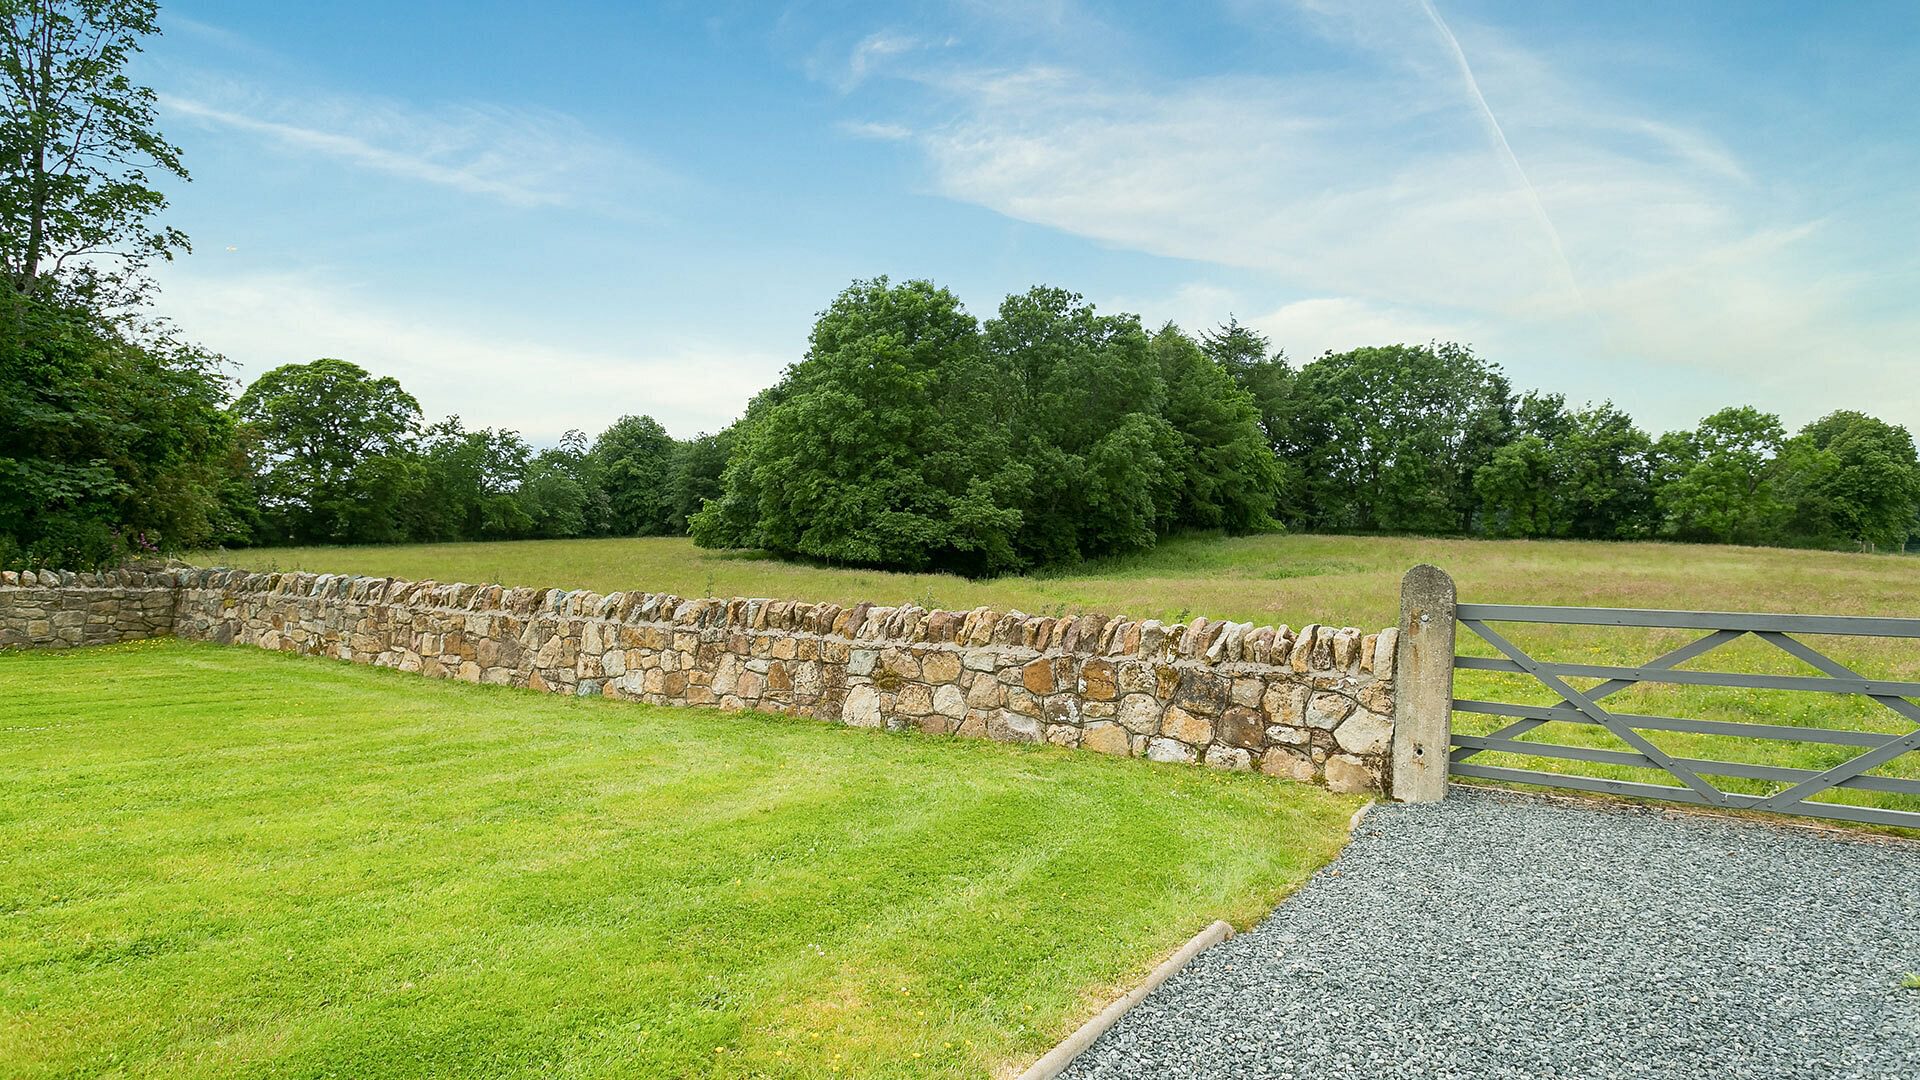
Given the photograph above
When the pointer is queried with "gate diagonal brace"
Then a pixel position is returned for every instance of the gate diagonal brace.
(1712, 795)
(1846, 770)
(1611, 687)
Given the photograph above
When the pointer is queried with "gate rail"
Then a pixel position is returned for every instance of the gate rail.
(1583, 707)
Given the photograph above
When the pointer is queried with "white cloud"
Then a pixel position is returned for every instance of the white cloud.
(1384, 196)
(520, 156)
(868, 56)
(884, 132)
(1304, 329)
(1308, 328)
(462, 365)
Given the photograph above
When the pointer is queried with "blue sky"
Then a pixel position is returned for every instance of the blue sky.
(547, 215)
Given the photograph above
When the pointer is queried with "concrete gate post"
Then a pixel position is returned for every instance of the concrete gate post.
(1423, 686)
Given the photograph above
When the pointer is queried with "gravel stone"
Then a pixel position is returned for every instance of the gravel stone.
(1503, 935)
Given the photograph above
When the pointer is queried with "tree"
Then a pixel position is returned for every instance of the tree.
(1262, 372)
(78, 142)
(1854, 480)
(1605, 475)
(333, 449)
(1389, 438)
(633, 463)
(880, 446)
(471, 484)
(1229, 474)
(1257, 367)
(1082, 394)
(699, 465)
(1718, 483)
(111, 444)
(1566, 474)
(558, 493)
(112, 440)
(1518, 490)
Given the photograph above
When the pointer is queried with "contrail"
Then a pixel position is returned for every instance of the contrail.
(1500, 137)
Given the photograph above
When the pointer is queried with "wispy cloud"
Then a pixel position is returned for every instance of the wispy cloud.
(867, 129)
(1434, 184)
(870, 55)
(520, 156)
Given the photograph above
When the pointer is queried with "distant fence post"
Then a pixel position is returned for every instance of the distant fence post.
(1423, 686)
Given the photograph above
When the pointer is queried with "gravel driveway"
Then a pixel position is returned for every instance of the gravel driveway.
(1502, 935)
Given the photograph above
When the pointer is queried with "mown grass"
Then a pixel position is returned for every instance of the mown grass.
(222, 862)
(1336, 579)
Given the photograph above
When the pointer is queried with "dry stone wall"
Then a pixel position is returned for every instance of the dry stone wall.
(60, 609)
(1313, 704)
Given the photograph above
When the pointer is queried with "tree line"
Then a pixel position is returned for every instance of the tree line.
(335, 455)
(910, 435)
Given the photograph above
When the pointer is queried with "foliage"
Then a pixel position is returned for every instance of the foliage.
(333, 452)
(471, 483)
(77, 141)
(1081, 394)
(912, 437)
(1856, 481)
(1229, 474)
(1567, 474)
(880, 446)
(112, 442)
(633, 464)
(698, 466)
(1389, 439)
(1718, 482)
(1263, 373)
(559, 494)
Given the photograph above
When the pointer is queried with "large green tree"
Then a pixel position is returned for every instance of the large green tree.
(111, 443)
(334, 451)
(699, 465)
(79, 151)
(558, 492)
(633, 464)
(1579, 473)
(1229, 476)
(1263, 372)
(1720, 482)
(1389, 438)
(1852, 480)
(470, 484)
(881, 447)
(1082, 395)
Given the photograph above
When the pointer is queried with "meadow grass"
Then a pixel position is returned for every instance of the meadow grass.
(1350, 580)
(222, 862)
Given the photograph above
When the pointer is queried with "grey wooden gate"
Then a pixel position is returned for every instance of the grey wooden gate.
(1797, 786)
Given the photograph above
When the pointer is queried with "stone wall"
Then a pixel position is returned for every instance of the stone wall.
(58, 609)
(1314, 704)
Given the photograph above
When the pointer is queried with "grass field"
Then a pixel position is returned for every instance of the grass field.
(222, 862)
(1336, 579)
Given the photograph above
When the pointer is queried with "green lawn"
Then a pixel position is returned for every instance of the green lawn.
(1334, 579)
(222, 862)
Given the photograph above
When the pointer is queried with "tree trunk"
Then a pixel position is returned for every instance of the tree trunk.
(37, 212)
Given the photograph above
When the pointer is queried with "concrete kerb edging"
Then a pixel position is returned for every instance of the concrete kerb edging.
(1057, 1059)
